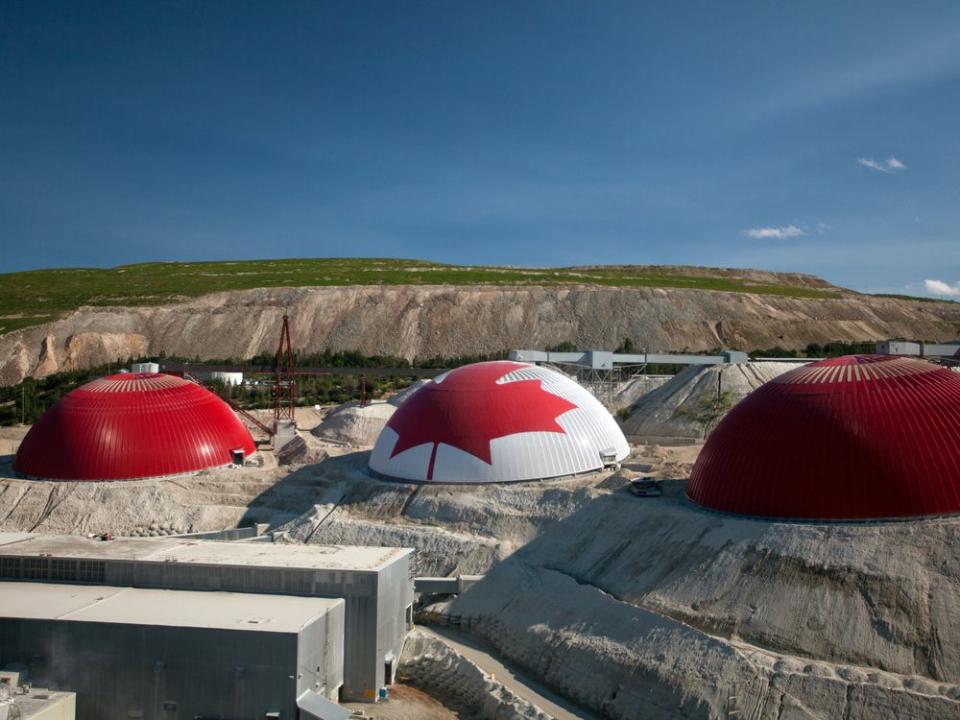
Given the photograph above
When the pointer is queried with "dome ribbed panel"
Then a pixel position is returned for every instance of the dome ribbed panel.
(850, 438)
(550, 427)
(131, 426)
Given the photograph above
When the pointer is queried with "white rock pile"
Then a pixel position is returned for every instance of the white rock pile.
(687, 407)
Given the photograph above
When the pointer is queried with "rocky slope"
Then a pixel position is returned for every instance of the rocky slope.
(690, 404)
(635, 608)
(648, 608)
(353, 425)
(423, 321)
(330, 500)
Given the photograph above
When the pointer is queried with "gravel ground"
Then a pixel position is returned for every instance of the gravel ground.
(405, 703)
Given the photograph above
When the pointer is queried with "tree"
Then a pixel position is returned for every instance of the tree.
(710, 409)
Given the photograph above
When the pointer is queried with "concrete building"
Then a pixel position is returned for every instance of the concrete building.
(146, 367)
(38, 704)
(158, 654)
(375, 583)
(919, 349)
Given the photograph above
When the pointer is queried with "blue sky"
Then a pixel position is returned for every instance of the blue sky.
(814, 137)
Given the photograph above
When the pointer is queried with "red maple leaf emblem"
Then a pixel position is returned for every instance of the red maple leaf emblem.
(468, 409)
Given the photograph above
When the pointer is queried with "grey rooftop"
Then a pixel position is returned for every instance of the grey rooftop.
(204, 552)
(169, 608)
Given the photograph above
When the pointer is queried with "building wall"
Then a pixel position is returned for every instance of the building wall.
(373, 615)
(394, 596)
(320, 655)
(357, 588)
(157, 673)
(61, 706)
(360, 652)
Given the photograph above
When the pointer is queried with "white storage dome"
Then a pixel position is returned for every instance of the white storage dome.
(498, 421)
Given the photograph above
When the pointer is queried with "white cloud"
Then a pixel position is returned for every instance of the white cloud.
(777, 233)
(938, 287)
(823, 228)
(891, 164)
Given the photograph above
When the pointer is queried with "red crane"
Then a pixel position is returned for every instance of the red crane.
(285, 382)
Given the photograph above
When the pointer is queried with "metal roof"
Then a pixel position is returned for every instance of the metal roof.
(207, 552)
(850, 438)
(170, 608)
(132, 425)
(498, 421)
(43, 703)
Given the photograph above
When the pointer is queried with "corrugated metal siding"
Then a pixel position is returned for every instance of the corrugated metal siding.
(848, 438)
(161, 671)
(362, 659)
(395, 594)
(52, 569)
(320, 654)
(132, 426)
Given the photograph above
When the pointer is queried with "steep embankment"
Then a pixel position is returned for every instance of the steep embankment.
(656, 608)
(690, 404)
(423, 321)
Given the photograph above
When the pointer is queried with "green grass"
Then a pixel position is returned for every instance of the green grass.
(912, 298)
(37, 296)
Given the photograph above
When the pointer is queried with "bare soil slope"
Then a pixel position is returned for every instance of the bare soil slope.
(656, 608)
(632, 607)
(424, 321)
(693, 401)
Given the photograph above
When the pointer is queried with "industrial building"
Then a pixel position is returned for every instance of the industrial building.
(375, 583)
(499, 421)
(157, 654)
(23, 702)
(849, 438)
(941, 351)
(133, 425)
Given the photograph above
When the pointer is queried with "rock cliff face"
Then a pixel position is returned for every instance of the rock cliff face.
(422, 321)
(630, 605)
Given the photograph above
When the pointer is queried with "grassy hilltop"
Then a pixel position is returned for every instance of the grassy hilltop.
(37, 296)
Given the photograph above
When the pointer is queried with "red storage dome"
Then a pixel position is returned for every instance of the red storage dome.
(132, 425)
(848, 438)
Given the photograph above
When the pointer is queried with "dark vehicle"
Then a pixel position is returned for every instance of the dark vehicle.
(646, 487)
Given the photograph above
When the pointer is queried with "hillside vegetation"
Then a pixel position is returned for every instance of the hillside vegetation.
(38, 296)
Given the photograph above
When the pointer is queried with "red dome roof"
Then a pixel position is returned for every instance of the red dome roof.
(854, 437)
(132, 426)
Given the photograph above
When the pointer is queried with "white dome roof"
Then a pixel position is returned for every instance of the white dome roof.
(497, 421)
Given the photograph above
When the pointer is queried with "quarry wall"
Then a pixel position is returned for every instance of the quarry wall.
(424, 321)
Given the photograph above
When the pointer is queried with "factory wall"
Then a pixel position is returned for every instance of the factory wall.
(395, 615)
(360, 658)
(320, 655)
(357, 588)
(374, 612)
(159, 673)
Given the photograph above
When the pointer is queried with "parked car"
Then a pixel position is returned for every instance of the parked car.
(646, 487)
